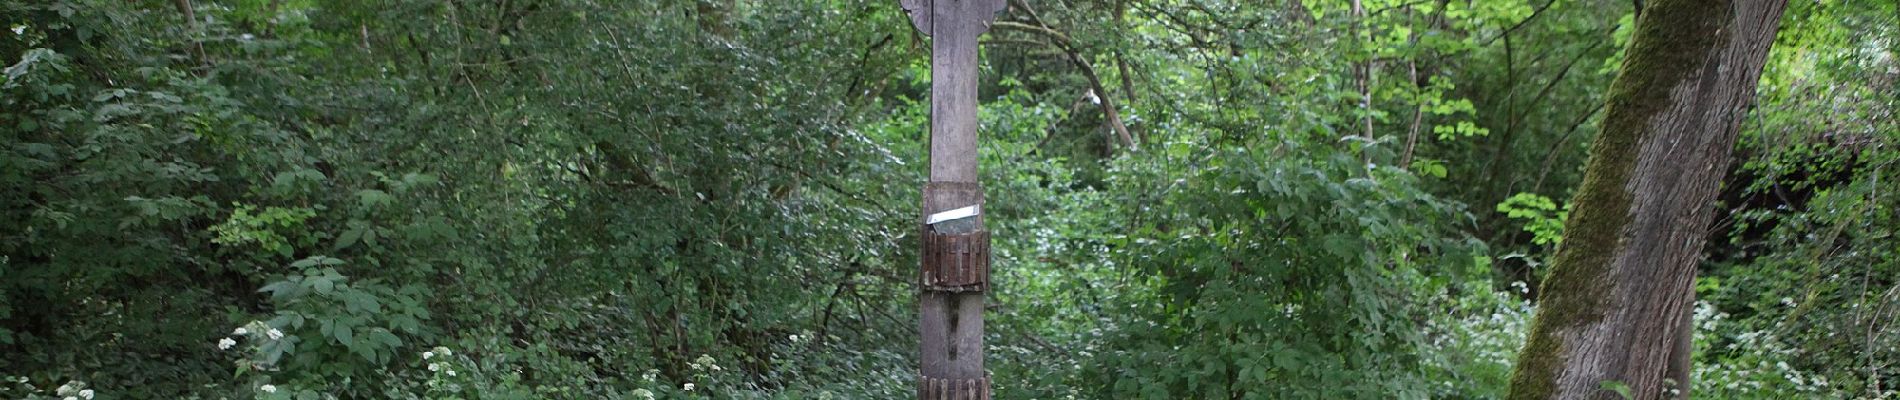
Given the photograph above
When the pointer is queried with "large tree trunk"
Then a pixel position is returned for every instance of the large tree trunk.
(1613, 307)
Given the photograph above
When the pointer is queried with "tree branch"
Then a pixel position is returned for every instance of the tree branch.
(1063, 43)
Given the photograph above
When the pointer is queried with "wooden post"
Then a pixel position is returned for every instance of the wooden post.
(955, 260)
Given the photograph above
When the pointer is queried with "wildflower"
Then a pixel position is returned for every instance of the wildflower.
(650, 375)
(268, 389)
(433, 367)
(70, 398)
(226, 343)
(450, 372)
(427, 354)
(643, 393)
(687, 387)
(442, 351)
(241, 331)
(275, 334)
(85, 394)
(705, 362)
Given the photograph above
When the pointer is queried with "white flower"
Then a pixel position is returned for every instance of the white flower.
(650, 375)
(19, 29)
(450, 372)
(70, 398)
(427, 354)
(226, 343)
(443, 351)
(687, 387)
(643, 393)
(275, 334)
(241, 331)
(85, 394)
(268, 388)
(435, 367)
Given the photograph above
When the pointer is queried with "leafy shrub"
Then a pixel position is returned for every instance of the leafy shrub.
(1297, 273)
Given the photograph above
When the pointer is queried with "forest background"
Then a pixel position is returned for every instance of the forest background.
(495, 199)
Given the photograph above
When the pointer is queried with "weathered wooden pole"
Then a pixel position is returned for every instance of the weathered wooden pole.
(956, 248)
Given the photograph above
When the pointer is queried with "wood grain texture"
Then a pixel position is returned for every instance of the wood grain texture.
(951, 324)
(953, 26)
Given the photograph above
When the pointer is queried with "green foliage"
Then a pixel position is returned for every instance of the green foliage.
(581, 199)
(1273, 268)
(261, 229)
(1542, 219)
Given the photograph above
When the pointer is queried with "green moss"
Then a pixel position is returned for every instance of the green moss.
(1672, 39)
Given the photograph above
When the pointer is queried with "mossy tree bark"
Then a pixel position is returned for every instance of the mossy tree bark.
(1613, 306)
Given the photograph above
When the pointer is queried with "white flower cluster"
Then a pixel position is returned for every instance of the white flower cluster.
(71, 391)
(254, 326)
(1489, 335)
(442, 366)
(1761, 360)
(643, 394)
(705, 362)
(267, 389)
(803, 336)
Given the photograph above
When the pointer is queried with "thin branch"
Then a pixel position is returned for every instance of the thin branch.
(1544, 92)
(1062, 40)
(1418, 120)
(1088, 71)
(1550, 156)
(1526, 20)
(191, 23)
